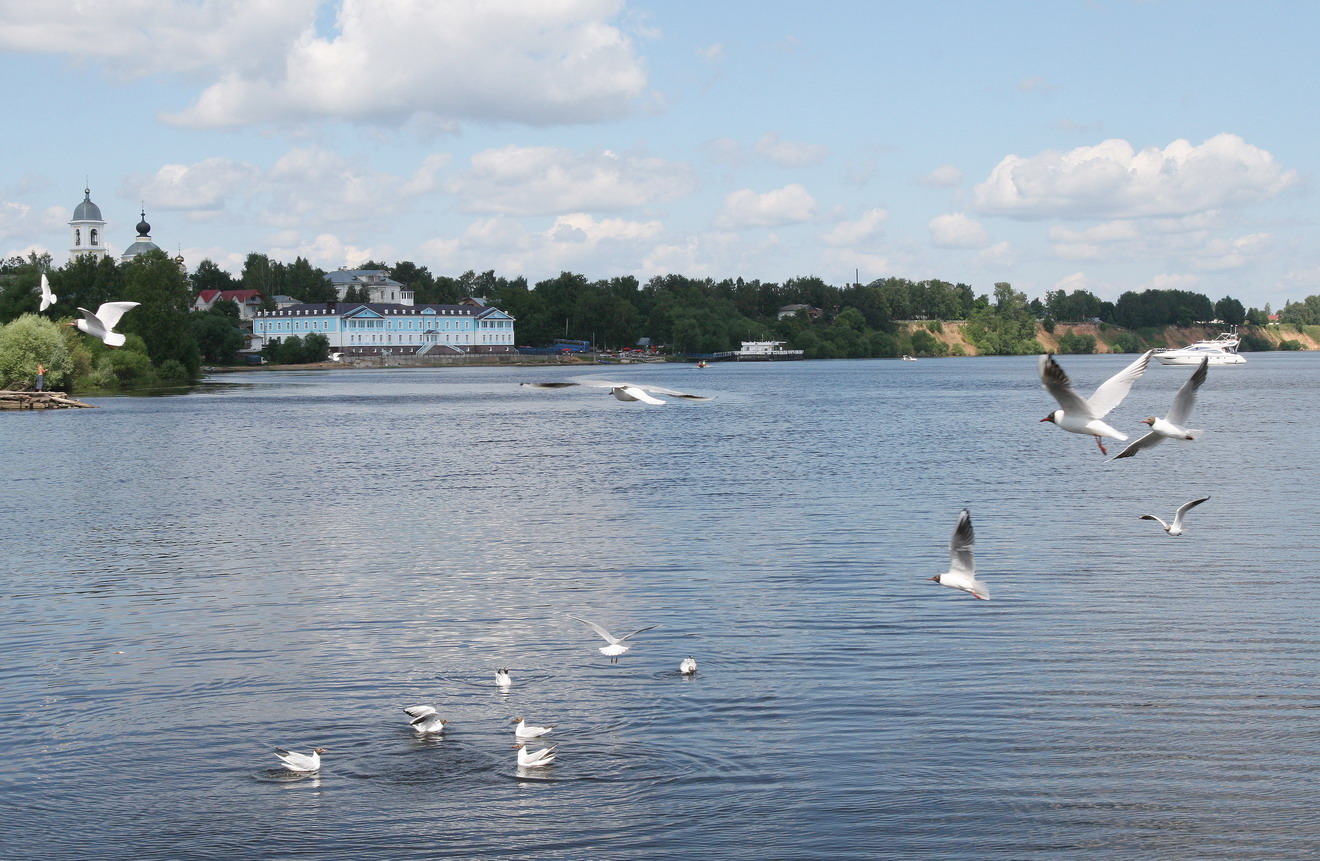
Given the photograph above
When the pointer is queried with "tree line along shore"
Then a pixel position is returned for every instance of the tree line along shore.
(169, 343)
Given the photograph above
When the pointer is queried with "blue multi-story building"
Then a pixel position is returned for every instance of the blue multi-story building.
(391, 328)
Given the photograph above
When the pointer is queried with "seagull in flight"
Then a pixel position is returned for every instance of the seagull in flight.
(1176, 528)
(625, 391)
(1171, 426)
(534, 759)
(616, 646)
(962, 572)
(102, 323)
(300, 762)
(47, 298)
(522, 730)
(425, 719)
(1086, 416)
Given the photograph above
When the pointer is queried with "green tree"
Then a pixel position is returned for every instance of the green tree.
(218, 337)
(307, 283)
(209, 276)
(162, 318)
(28, 341)
(1230, 311)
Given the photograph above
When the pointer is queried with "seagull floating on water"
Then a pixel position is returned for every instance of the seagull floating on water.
(502, 678)
(102, 323)
(1176, 527)
(1172, 425)
(688, 666)
(425, 719)
(536, 758)
(300, 762)
(522, 730)
(47, 298)
(616, 645)
(625, 391)
(962, 572)
(1085, 416)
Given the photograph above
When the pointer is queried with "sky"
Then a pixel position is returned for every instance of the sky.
(1105, 145)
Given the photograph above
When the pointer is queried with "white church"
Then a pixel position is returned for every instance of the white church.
(87, 229)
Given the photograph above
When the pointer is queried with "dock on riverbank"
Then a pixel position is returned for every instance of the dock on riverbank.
(39, 401)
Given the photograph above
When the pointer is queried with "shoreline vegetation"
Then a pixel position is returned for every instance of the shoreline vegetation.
(949, 335)
(170, 341)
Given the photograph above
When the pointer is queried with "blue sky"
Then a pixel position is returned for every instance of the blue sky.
(1110, 145)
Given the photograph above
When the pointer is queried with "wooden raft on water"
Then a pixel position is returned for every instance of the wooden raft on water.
(39, 401)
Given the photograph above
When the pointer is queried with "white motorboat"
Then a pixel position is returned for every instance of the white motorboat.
(1222, 350)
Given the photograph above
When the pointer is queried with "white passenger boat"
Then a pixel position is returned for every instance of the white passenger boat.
(1220, 351)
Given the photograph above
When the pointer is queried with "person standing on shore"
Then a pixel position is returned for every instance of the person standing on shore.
(41, 376)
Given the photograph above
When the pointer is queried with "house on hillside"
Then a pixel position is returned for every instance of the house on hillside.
(381, 288)
(794, 310)
(248, 301)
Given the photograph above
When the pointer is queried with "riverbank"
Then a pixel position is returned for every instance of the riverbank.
(951, 335)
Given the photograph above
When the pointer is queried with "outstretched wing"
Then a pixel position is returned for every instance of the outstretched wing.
(960, 545)
(672, 392)
(634, 393)
(547, 385)
(1114, 389)
(609, 638)
(1056, 382)
(1148, 441)
(1153, 517)
(90, 319)
(47, 298)
(110, 312)
(638, 631)
(1186, 507)
(1186, 397)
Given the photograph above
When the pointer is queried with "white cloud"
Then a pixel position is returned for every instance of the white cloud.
(956, 230)
(136, 38)
(1112, 231)
(711, 53)
(328, 251)
(849, 233)
(206, 185)
(1112, 180)
(1074, 282)
(745, 208)
(944, 176)
(1225, 254)
(549, 180)
(1169, 281)
(609, 246)
(789, 153)
(522, 61)
(709, 255)
(13, 218)
(997, 256)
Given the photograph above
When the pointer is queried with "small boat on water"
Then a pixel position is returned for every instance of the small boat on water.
(1222, 350)
(908, 359)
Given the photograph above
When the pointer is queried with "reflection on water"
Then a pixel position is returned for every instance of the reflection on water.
(287, 559)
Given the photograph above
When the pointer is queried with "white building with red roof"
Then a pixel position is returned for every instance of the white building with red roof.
(248, 301)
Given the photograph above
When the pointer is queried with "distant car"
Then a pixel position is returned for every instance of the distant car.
(336, 357)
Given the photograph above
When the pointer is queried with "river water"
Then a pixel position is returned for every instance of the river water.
(290, 559)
